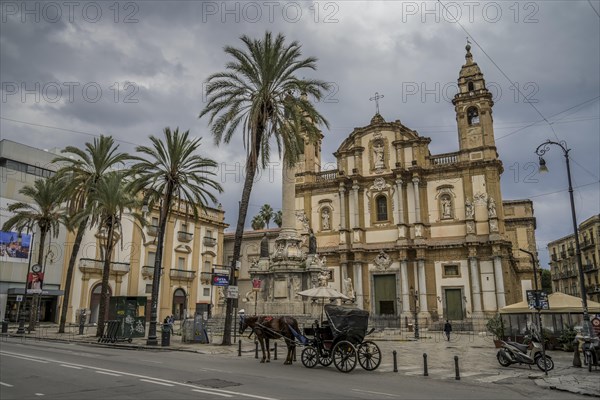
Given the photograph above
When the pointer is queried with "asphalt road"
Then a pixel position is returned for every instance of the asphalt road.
(30, 370)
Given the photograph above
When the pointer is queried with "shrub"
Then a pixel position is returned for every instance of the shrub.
(495, 326)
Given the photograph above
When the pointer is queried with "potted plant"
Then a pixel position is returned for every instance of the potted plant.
(567, 336)
(495, 326)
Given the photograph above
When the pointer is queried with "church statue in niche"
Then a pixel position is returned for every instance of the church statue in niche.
(325, 216)
(491, 208)
(378, 155)
(446, 207)
(469, 211)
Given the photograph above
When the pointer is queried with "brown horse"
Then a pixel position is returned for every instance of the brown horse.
(266, 328)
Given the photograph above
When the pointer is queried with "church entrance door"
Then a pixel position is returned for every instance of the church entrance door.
(454, 307)
(385, 294)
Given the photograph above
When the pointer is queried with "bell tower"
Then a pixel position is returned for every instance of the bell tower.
(473, 106)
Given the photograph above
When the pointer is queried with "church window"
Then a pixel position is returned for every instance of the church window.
(471, 86)
(473, 116)
(382, 212)
(451, 271)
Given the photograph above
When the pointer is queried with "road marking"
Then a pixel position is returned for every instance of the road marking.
(69, 366)
(156, 383)
(39, 394)
(377, 393)
(206, 391)
(5, 384)
(107, 373)
(152, 361)
(25, 358)
(214, 391)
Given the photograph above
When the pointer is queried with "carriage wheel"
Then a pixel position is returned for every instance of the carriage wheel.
(309, 357)
(325, 359)
(344, 356)
(369, 355)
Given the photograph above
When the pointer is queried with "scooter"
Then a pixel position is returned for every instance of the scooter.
(516, 353)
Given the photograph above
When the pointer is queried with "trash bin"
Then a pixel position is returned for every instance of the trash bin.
(166, 335)
(5, 326)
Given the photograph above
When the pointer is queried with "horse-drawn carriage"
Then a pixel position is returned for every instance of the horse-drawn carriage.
(340, 340)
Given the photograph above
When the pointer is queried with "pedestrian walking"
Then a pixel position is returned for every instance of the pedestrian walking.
(447, 329)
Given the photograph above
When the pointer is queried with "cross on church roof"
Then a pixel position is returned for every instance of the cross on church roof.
(376, 98)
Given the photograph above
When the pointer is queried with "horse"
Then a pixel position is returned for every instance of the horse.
(266, 328)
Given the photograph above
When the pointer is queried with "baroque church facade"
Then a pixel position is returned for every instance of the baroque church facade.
(411, 233)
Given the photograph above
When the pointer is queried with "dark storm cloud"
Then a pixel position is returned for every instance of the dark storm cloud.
(549, 50)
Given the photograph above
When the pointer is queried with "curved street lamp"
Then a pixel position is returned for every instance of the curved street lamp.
(540, 151)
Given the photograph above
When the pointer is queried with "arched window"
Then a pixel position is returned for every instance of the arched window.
(382, 213)
(471, 86)
(473, 116)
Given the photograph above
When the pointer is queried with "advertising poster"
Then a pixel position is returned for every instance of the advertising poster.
(14, 246)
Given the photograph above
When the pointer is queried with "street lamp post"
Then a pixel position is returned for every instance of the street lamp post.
(537, 305)
(540, 151)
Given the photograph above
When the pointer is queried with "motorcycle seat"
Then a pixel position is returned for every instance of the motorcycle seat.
(522, 347)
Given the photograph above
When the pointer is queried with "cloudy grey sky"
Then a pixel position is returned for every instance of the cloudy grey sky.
(73, 70)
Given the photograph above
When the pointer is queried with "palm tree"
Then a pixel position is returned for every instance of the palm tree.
(106, 206)
(278, 218)
(45, 212)
(170, 172)
(256, 91)
(81, 171)
(267, 214)
(258, 222)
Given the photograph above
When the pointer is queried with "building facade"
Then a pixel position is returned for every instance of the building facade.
(563, 261)
(190, 248)
(20, 166)
(418, 233)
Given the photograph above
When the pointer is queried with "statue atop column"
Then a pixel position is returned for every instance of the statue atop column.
(264, 246)
(312, 243)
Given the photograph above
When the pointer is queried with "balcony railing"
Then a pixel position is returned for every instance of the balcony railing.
(555, 277)
(563, 254)
(571, 251)
(182, 274)
(209, 241)
(148, 271)
(91, 265)
(152, 230)
(183, 236)
(327, 176)
(443, 159)
(590, 268)
(554, 257)
(593, 289)
(587, 243)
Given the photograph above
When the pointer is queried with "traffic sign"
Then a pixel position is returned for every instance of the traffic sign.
(232, 292)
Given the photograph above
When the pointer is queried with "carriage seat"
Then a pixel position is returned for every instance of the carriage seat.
(326, 335)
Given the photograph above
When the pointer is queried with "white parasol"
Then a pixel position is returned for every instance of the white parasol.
(323, 292)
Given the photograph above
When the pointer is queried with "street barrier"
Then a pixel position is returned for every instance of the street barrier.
(425, 372)
(457, 377)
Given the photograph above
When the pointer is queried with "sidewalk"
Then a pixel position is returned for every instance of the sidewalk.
(476, 356)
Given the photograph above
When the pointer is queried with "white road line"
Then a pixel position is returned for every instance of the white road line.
(214, 391)
(152, 361)
(69, 366)
(207, 392)
(39, 394)
(25, 358)
(5, 384)
(107, 373)
(377, 393)
(156, 383)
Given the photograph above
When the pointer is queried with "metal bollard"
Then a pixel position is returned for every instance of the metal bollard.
(256, 349)
(395, 361)
(239, 348)
(456, 368)
(275, 352)
(425, 372)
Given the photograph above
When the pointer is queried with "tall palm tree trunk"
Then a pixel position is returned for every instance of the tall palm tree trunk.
(239, 233)
(69, 280)
(33, 315)
(105, 275)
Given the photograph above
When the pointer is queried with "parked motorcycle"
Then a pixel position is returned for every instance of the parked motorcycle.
(591, 352)
(517, 353)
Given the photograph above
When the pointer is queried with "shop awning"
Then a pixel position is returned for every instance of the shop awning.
(558, 303)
